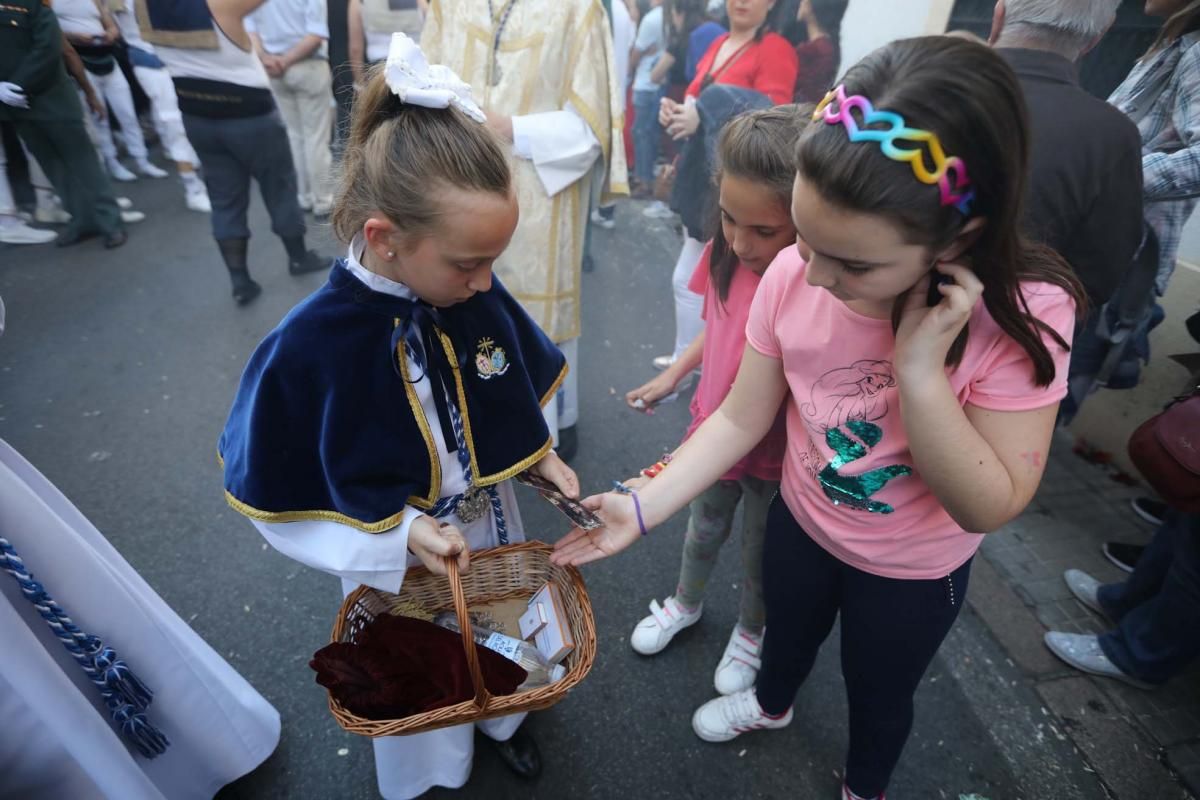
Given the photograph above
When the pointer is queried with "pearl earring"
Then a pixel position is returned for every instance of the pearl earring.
(391, 253)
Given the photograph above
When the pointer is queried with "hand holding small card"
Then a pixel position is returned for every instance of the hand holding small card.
(573, 509)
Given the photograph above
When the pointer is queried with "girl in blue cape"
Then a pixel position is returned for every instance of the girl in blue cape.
(379, 424)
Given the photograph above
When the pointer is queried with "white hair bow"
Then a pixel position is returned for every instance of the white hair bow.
(414, 80)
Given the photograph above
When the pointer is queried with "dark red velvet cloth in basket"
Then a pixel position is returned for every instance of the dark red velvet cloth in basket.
(400, 666)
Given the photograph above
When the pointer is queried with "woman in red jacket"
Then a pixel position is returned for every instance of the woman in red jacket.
(751, 56)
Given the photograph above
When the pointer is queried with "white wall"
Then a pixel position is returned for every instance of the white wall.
(872, 23)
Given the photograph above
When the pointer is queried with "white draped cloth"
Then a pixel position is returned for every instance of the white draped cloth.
(56, 739)
(405, 766)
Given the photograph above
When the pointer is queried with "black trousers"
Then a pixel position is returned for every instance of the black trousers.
(70, 162)
(891, 630)
(235, 150)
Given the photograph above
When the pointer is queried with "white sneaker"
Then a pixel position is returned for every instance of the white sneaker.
(20, 233)
(51, 215)
(607, 223)
(124, 203)
(658, 210)
(130, 217)
(727, 717)
(147, 169)
(198, 201)
(656, 631)
(118, 172)
(740, 664)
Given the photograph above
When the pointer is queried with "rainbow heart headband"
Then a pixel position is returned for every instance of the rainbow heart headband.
(950, 174)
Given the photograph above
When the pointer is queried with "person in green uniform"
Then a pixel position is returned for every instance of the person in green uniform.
(38, 97)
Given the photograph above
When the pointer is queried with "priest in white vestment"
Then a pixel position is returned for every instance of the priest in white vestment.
(543, 70)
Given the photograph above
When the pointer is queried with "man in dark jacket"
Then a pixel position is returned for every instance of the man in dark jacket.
(1084, 194)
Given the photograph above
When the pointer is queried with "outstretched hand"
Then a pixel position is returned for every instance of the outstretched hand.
(620, 530)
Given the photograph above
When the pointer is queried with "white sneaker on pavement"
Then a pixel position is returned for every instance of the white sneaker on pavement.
(130, 217)
(727, 717)
(658, 210)
(1085, 589)
(198, 201)
(144, 167)
(1083, 652)
(740, 663)
(51, 215)
(124, 203)
(604, 222)
(118, 172)
(656, 631)
(20, 233)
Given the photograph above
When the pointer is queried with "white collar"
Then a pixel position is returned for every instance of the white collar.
(374, 280)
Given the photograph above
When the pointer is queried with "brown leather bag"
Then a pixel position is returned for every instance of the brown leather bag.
(1166, 450)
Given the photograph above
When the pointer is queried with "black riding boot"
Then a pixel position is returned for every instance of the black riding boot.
(234, 253)
(301, 259)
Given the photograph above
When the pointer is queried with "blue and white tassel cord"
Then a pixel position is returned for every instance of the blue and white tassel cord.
(125, 696)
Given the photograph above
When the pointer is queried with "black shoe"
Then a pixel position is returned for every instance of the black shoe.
(233, 251)
(245, 288)
(568, 443)
(310, 262)
(1123, 556)
(115, 239)
(1153, 511)
(520, 753)
(70, 236)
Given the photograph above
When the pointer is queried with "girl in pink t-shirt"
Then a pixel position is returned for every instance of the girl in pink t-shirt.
(919, 345)
(755, 154)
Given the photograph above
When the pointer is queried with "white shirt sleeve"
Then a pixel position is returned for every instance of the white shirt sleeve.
(378, 560)
(559, 143)
(316, 21)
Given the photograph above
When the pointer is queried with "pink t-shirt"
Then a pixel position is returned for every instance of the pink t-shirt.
(838, 365)
(724, 344)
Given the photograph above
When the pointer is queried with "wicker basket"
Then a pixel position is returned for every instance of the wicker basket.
(516, 570)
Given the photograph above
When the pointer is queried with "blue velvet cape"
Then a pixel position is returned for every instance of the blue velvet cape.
(326, 424)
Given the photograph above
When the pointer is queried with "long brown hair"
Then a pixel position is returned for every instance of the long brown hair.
(398, 155)
(969, 97)
(1182, 22)
(759, 147)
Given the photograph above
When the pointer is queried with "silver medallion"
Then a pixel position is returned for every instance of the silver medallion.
(474, 504)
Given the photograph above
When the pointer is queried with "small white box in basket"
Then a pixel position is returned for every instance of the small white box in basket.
(553, 640)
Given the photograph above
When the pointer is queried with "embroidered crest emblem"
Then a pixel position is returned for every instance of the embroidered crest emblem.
(490, 361)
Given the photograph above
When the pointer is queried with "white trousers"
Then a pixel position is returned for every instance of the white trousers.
(114, 89)
(563, 410)
(164, 105)
(305, 98)
(688, 304)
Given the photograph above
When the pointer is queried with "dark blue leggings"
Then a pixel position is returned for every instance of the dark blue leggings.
(891, 630)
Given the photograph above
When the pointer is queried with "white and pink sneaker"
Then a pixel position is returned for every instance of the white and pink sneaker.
(739, 666)
(728, 717)
(656, 631)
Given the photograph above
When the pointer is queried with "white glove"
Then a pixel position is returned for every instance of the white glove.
(13, 95)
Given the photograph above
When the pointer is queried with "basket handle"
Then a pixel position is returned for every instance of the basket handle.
(464, 624)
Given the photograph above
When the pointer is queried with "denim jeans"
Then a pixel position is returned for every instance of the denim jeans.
(646, 133)
(1157, 609)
